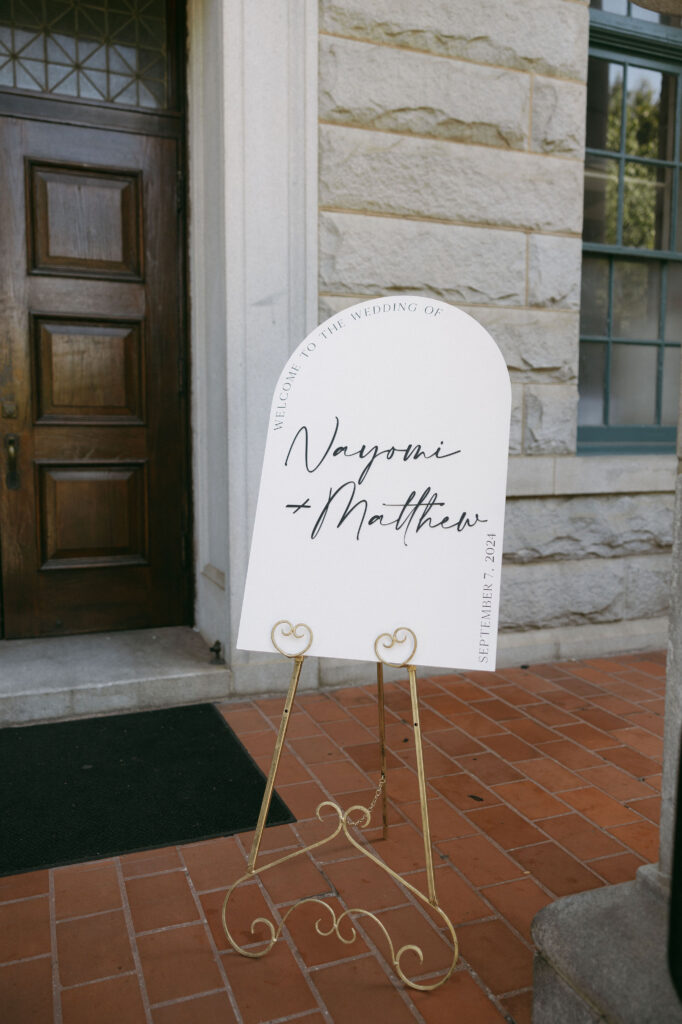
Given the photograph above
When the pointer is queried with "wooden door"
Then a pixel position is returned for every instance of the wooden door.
(93, 491)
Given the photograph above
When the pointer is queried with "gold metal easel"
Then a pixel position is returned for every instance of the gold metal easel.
(300, 638)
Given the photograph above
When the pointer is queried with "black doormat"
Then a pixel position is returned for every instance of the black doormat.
(74, 791)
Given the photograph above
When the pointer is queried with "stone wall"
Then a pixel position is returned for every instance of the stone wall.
(451, 162)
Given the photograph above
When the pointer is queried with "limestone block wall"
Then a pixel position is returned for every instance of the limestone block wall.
(450, 164)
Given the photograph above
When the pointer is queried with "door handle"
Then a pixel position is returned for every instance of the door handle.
(12, 446)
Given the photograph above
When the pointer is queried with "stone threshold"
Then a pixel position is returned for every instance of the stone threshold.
(100, 673)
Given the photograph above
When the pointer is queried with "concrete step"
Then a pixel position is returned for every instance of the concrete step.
(99, 673)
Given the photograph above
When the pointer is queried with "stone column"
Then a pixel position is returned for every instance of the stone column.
(673, 692)
(602, 955)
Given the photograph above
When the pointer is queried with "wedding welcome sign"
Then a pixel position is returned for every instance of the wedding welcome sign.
(381, 502)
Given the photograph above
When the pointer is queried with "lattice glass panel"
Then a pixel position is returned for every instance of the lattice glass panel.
(111, 51)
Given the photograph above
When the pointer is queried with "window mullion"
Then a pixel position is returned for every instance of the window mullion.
(607, 361)
(621, 161)
(661, 337)
(677, 155)
(648, 160)
(630, 252)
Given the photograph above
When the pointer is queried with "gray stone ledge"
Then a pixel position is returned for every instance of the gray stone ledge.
(527, 648)
(546, 475)
(673, 696)
(262, 673)
(590, 641)
(269, 675)
(601, 956)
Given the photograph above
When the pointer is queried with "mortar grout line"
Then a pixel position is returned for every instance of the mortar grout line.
(86, 917)
(26, 899)
(56, 981)
(405, 133)
(424, 218)
(95, 981)
(515, 992)
(25, 959)
(297, 1016)
(322, 1006)
(187, 999)
(448, 56)
(494, 999)
(152, 874)
(170, 927)
(216, 954)
(127, 915)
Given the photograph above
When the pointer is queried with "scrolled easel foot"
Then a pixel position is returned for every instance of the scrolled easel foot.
(293, 641)
(358, 816)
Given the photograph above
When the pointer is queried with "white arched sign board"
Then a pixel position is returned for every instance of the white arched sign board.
(381, 502)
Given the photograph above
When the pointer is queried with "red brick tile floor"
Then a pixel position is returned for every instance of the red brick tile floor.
(542, 781)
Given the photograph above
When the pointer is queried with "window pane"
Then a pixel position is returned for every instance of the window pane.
(604, 104)
(610, 6)
(660, 19)
(594, 299)
(671, 387)
(633, 385)
(591, 388)
(635, 11)
(673, 314)
(678, 230)
(650, 113)
(646, 206)
(636, 299)
(600, 222)
(643, 14)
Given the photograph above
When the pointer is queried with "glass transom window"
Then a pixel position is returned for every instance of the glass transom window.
(111, 51)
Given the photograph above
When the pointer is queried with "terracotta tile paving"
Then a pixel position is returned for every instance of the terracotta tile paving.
(542, 782)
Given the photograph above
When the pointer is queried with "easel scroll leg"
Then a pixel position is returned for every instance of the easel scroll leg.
(270, 785)
(426, 831)
(382, 746)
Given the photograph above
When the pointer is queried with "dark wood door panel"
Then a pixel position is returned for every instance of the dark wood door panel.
(76, 444)
(126, 601)
(93, 536)
(100, 298)
(84, 222)
(88, 371)
(92, 515)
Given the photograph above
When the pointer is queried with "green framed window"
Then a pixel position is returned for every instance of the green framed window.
(631, 302)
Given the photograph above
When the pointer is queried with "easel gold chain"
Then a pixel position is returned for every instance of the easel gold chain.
(377, 794)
